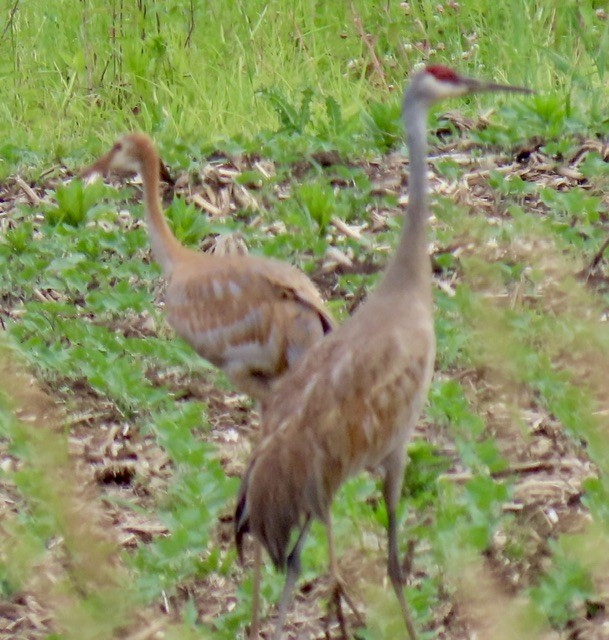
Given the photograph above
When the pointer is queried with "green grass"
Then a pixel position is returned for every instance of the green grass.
(77, 74)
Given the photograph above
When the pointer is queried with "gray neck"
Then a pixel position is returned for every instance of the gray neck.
(410, 264)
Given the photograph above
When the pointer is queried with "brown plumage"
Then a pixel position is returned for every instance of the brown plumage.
(251, 317)
(354, 400)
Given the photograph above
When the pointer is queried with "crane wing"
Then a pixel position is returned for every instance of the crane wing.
(246, 317)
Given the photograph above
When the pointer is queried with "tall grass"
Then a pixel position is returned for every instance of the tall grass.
(192, 71)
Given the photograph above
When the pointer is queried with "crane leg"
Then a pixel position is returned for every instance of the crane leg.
(293, 571)
(255, 626)
(339, 591)
(392, 488)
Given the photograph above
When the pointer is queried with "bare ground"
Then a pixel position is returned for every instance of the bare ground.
(128, 471)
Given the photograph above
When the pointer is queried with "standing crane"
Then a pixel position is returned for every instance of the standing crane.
(251, 317)
(353, 401)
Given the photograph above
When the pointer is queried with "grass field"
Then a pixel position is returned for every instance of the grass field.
(76, 74)
(120, 450)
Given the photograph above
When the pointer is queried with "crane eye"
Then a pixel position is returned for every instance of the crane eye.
(117, 147)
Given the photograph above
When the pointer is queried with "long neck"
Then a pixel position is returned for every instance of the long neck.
(410, 264)
(165, 246)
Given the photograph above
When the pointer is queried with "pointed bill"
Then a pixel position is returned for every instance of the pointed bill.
(473, 84)
(100, 167)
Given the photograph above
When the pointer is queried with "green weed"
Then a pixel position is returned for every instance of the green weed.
(317, 201)
(188, 225)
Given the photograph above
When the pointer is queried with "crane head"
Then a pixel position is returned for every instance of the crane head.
(437, 82)
(125, 157)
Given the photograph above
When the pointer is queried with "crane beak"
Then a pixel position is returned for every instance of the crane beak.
(100, 166)
(473, 84)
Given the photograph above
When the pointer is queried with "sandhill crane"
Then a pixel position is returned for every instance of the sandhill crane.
(252, 317)
(354, 399)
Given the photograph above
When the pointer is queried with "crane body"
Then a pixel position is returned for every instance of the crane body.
(252, 317)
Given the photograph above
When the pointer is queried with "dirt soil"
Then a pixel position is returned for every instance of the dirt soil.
(127, 470)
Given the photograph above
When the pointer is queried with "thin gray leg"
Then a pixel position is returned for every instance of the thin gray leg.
(293, 571)
(255, 627)
(339, 590)
(392, 488)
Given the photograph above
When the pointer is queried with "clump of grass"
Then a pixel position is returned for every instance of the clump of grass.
(55, 503)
